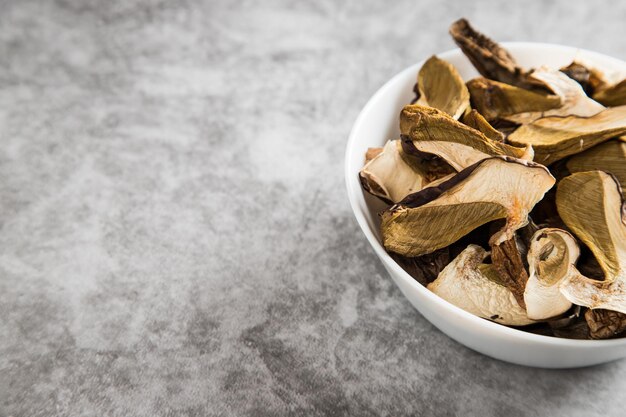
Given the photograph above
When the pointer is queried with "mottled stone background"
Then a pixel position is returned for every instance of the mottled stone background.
(175, 238)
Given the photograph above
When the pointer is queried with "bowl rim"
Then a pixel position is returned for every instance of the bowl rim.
(354, 189)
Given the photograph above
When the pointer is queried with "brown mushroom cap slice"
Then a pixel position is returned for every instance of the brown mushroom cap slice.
(494, 188)
(473, 286)
(440, 86)
(389, 176)
(574, 100)
(590, 203)
(489, 58)
(554, 138)
(433, 131)
(608, 156)
(475, 120)
(604, 324)
(496, 100)
(551, 259)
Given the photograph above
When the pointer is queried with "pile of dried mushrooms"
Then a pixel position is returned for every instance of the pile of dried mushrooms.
(505, 192)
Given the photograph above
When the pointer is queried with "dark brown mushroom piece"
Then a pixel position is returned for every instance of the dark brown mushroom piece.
(490, 59)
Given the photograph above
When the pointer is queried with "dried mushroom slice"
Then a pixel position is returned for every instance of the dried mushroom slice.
(608, 156)
(389, 177)
(496, 100)
(372, 153)
(551, 259)
(604, 324)
(507, 262)
(475, 287)
(574, 100)
(490, 59)
(581, 74)
(614, 95)
(434, 132)
(554, 138)
(475, 120)
(494, 188)
(440, 86)
(590, 203)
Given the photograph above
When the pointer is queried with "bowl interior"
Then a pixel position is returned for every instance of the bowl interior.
(378, 122)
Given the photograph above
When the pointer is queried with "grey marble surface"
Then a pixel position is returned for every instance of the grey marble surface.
(175, 238)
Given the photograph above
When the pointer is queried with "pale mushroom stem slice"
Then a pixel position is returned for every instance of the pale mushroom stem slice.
(389, 177)
(473, 286)
(489, 58)
(440, 86)
(496, 100)
(433, 131)
(551, 259)
(475, 120)
(494, 188)
(554, 138)
(609, 156)
(590, 203)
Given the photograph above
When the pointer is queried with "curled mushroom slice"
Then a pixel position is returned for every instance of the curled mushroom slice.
(389, 176)
(590, 203)
(554, 138)
(475, 120)
(489, 58)
(433, 131)
(473, 286)
(494, 188)
(574, 100)
(608, 156)
(496, 100)
(440, 86)
(551, 259)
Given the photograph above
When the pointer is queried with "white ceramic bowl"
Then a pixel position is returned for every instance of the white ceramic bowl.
(378, 122)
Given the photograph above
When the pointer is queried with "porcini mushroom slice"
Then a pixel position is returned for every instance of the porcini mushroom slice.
(372, 153)
(496, 100)
(574, 100)
(389, 176)
(475, 120)
(613, 95)
(494, 188)
(489, 58)
(581, 74)
(608, 156)
(506, 260)
(604, 324)
(473, 286)
(590, 203)
(440, 86)
(433, 131)
(554, 138)
(551, 259)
